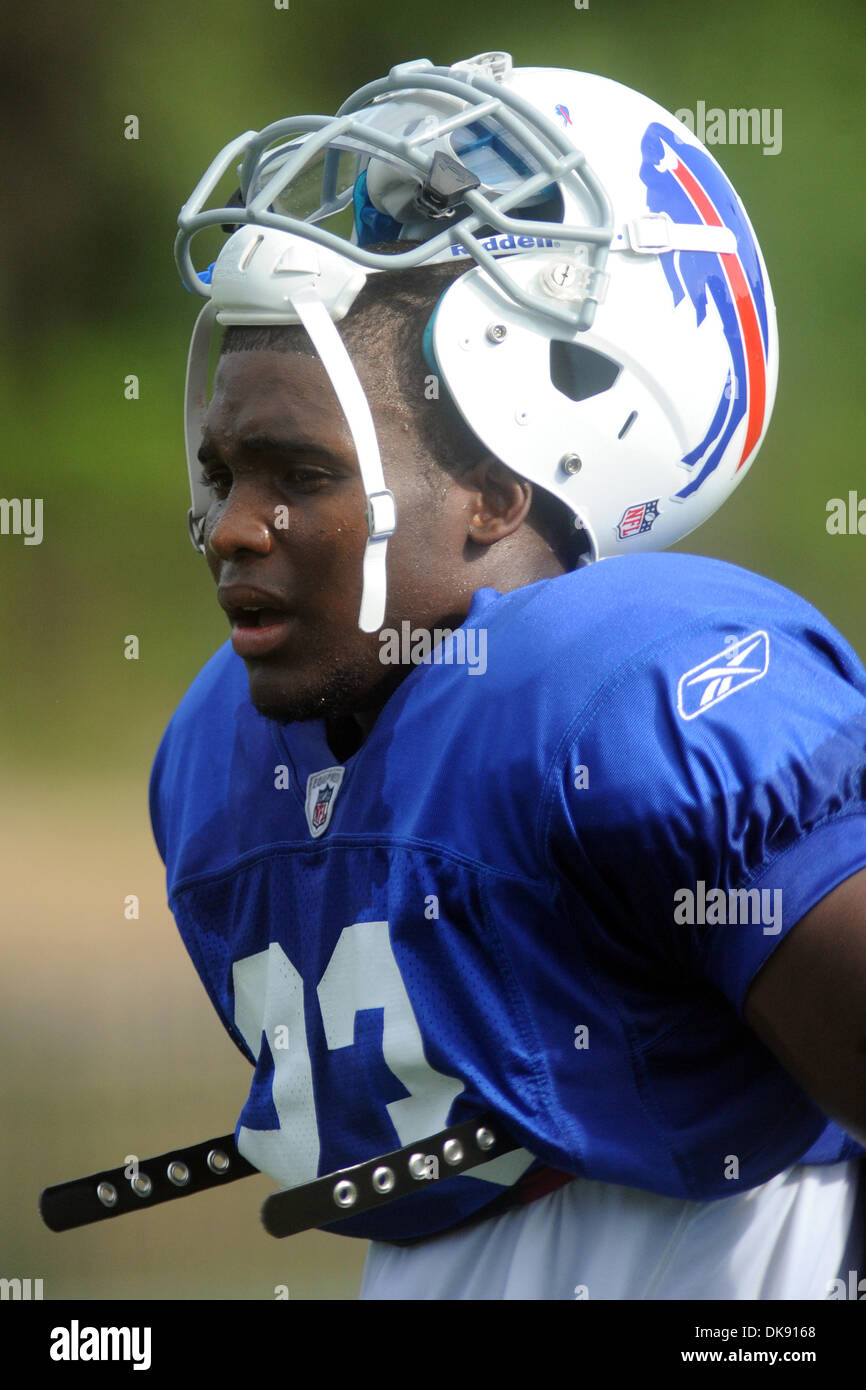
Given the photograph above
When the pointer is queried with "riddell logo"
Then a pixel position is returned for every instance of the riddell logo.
(498, 245)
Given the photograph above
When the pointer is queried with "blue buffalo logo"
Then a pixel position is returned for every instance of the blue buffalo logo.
(683, 181)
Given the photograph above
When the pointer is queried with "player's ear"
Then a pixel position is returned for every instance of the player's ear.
(499, 503)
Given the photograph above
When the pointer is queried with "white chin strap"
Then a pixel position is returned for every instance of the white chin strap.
(381, 507)
(299, 303)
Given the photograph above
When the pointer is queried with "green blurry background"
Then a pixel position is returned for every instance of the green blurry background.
(109, 1046)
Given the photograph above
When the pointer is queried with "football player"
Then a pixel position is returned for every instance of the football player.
(488, 812)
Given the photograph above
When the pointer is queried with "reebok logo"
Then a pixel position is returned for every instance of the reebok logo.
(741, 663)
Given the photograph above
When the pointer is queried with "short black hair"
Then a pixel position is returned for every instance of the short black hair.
(387, 323)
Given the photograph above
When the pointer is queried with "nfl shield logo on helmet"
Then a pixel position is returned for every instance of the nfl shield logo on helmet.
(322, 788)
(637, 519)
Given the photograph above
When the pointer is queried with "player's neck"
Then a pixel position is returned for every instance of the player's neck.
(346, 733)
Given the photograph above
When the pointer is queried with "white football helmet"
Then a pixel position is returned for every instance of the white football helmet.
(613, 338)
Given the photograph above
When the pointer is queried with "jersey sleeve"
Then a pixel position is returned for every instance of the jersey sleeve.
(157, 820)
(712, 791)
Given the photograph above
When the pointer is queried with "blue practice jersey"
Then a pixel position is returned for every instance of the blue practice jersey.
(542, 886)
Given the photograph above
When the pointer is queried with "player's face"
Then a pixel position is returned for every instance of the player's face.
(286, 532)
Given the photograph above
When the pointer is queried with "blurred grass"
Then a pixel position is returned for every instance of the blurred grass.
(111, 1047)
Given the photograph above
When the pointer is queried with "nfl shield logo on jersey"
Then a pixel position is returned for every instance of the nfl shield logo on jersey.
(322, 788)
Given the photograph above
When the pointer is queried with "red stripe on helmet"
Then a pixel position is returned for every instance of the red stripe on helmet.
(747, 314)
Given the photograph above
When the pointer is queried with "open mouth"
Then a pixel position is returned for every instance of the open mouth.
(261, 624)
(256, 617)
(259, 632)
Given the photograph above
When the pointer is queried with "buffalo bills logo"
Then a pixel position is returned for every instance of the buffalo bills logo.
(685, 182)
(563, 114)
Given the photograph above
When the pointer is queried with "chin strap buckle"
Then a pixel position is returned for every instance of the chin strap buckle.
(381, 515)
(195, 527)
(655, 233)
